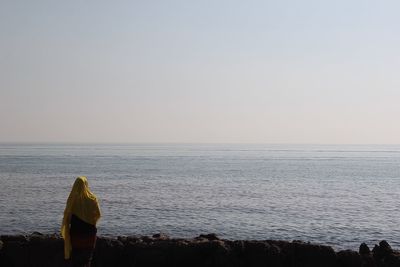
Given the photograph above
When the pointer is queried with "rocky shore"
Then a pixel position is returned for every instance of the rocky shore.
(206, 250)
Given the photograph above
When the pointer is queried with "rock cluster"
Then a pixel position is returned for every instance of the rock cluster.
(205, 250)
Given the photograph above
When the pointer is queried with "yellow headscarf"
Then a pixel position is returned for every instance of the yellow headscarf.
(83, 204)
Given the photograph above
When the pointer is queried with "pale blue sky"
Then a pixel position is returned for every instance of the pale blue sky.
(200, 71)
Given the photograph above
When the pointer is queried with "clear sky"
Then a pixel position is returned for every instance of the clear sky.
(200, 71)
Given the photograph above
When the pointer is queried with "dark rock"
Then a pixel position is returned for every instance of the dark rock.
(147, 239)
(3, 259)
(348, 258)
(306, 254)
(391, 260)
(366, 257)
(260, 253)
(129, 239)
(385, 247)
(385, 256)
(8, 238)
(161, 236)
(15, 251)
(382, 253)
(36, 233)
(208, 236)
(203, 251)
(108, 252)
(376, 252)
(364, 249)
(45, 249)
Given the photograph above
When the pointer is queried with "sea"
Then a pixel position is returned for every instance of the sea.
(337, 195)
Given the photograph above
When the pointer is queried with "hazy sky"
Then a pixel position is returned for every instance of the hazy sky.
(200, 71)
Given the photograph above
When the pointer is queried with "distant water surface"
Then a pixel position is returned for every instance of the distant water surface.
(339, 195)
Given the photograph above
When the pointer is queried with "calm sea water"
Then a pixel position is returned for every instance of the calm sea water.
(336, 195)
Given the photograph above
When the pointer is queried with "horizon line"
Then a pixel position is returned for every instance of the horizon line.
(177, 143)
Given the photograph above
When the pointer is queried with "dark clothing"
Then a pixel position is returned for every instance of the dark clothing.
(81, 227)
(83, 241)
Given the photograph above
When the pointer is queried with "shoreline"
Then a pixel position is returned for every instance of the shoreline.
(205, 250)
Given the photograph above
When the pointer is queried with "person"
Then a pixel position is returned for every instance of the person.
(78, 227)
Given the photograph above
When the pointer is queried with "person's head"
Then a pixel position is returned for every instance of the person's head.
(81, 187)
(80, 184)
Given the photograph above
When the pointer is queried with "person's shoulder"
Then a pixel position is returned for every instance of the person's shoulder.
(95, 198)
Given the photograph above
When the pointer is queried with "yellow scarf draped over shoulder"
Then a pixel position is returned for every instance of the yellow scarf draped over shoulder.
(83, 204)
